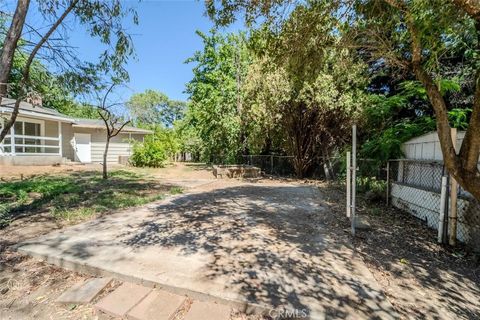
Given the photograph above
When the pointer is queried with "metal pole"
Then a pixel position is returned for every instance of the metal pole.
(349, 183)
(453, 199)
(354, 174)
(271, 164)
(388, 184)
(441, 217)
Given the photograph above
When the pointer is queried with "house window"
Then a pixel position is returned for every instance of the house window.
(24, 144)
(6, 144)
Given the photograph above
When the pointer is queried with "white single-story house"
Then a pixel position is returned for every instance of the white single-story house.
(43, 136)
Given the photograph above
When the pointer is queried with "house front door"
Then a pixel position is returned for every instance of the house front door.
(83, 149)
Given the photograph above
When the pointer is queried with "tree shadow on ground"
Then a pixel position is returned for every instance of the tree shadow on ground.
(269, 244)
(70, 191)
(422, 278)
(43, 203)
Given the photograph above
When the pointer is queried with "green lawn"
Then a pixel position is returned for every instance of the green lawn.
(77, 195)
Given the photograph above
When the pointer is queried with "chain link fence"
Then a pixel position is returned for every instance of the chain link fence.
(271, 164)
(415, 186)
(283, 166)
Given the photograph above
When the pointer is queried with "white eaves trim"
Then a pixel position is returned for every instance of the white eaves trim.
(38, 115)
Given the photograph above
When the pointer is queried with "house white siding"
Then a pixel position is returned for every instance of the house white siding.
(119, 145)
(427, 147)
(45, 136)
(67, 142)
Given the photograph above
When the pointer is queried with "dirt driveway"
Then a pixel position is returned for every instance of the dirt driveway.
(256, 244)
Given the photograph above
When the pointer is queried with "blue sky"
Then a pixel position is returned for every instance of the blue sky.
(164, 38)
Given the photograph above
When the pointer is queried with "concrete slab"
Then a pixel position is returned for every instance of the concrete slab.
(208, 310)
(254, 245)
(158, 305)
(84, 292)
(122, 299)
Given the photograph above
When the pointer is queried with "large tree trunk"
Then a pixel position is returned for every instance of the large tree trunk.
(10, 44)
(105, 154)
(463, 167)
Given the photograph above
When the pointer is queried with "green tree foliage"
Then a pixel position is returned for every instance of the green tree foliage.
(389, 121)
(157, 148)
(187, 136)
(153, 107)
(216, 102)
(292, 90)
(305, 85)
(154, 110)
(403, 40)
(53, 90)
(150, 153)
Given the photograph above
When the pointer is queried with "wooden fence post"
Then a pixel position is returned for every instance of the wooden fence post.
(453, 198)
(443, 207)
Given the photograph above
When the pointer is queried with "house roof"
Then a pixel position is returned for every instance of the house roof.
(27, 109)
(431, 137)
(99, 124)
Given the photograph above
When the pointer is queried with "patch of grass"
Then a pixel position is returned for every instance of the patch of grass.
(4, 216)
(77, 195)
(74, 214)
(118, 200)
(176, 190)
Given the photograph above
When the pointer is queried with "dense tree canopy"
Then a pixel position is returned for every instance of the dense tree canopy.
(405, 43)
(290, 90)
(153, 107)
(216, 99)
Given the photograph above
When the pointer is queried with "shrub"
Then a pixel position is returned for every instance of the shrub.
(150, 153)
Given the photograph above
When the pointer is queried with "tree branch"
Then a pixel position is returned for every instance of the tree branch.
(10, 44)
(471, 7)
(470, 150)
(121, 128)
(435, 97)
(26, 70)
